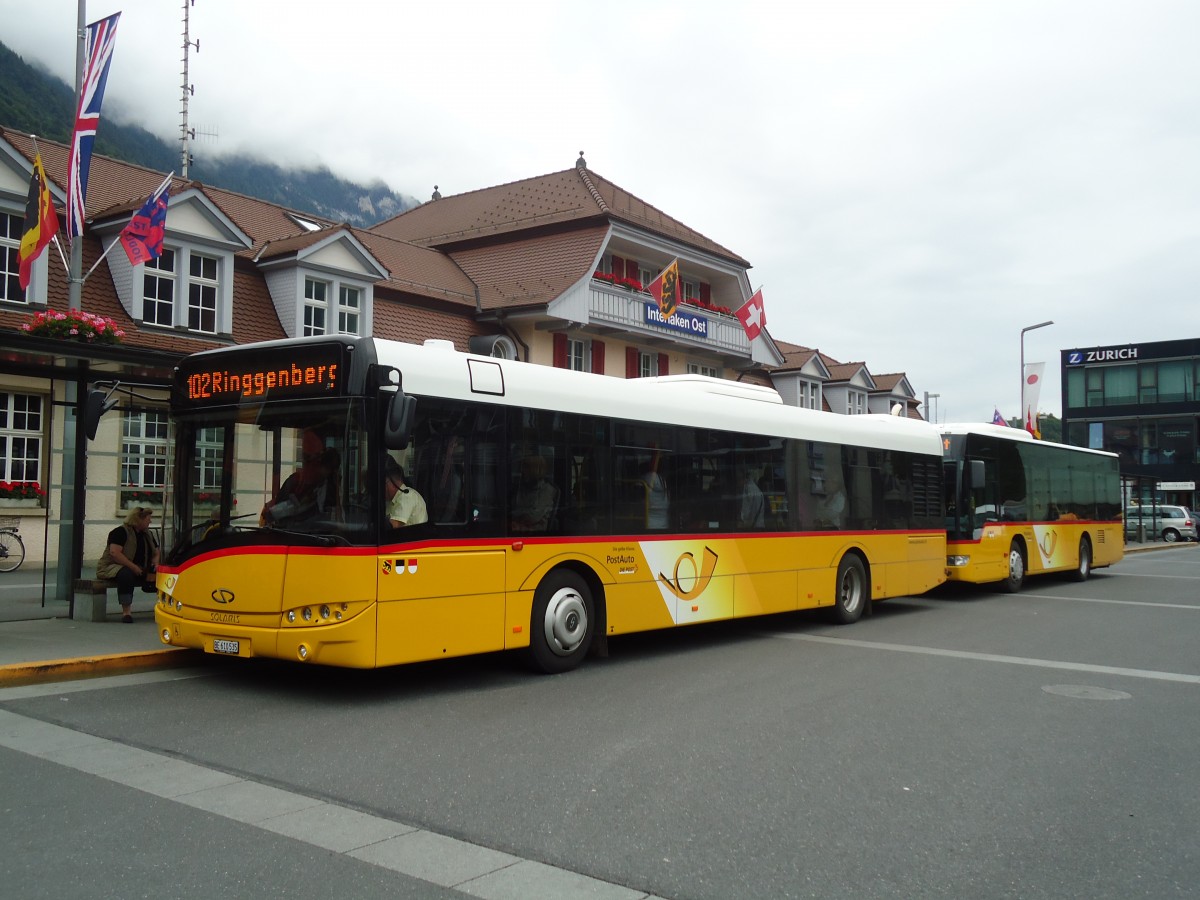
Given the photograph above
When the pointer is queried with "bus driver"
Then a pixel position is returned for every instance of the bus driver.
(405, 505)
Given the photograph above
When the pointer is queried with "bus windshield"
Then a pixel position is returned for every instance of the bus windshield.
(291, 471)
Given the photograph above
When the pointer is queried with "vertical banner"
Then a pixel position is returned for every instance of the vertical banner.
(1031, 389)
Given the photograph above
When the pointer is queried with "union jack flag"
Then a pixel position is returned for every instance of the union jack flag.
(101, 36)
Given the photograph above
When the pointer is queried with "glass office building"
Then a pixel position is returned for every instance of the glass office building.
(1142, 402)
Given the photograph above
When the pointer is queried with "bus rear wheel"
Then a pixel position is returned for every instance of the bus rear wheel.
(561, 624)
(1016, 569)
(851, 597)
(1084, 569)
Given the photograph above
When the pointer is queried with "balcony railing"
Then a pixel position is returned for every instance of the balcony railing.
(626, 309)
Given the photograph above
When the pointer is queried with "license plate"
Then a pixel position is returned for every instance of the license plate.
(221, 645)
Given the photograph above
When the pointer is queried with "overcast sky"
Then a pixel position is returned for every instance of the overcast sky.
(914, 182)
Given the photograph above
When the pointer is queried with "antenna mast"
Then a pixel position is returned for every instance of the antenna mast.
(186, 135)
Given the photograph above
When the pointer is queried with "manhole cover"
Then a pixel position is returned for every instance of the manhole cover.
(1085, 692)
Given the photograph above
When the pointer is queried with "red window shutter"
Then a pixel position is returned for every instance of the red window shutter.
(631, 362)
(705, 292)
(598, 357)
(664, 364)
(631, 268)
(618, 266)
(560, 351)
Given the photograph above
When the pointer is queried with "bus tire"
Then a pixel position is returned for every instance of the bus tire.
(1084, 569)
(1016, 569)
(850, 597)
(562, 622)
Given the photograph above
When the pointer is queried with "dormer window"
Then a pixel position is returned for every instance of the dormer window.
(320, 318)
(161, 304)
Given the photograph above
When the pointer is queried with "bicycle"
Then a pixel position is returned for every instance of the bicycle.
(12, 548)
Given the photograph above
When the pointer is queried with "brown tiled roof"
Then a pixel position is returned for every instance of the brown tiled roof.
(843, 371)
(889, 381)
(419, 270)
(572, 196)
(413, 321)
(533, 271)
(115, 186)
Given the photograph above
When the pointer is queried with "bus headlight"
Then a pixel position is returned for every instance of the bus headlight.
(291, 615)
(957, 561)
(307, 614)
(324, 612)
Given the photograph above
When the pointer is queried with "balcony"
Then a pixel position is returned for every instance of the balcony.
(634, 312)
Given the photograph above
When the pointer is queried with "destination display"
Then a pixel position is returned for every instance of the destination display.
(280, 373)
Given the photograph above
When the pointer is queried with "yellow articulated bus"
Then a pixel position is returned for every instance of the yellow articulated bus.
(1016, 506)
(359, 502)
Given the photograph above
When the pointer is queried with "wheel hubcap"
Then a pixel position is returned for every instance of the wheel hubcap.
(851, 591)
(1016, 566)
(566, 622)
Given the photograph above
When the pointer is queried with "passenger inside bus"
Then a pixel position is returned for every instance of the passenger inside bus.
(752, 511)
(405, 506)
(536, 499)
(297, 495)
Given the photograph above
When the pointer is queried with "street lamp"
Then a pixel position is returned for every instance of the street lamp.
(1023, 330)
(928, 397)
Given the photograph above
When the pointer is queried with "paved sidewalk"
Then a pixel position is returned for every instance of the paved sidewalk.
(40, 643)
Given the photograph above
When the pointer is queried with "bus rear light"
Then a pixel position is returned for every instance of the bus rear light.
(958, 561)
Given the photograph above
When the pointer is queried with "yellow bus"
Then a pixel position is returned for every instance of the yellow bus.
(1016, 506)
(560, 507)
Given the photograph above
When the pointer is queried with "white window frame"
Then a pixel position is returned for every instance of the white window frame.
(21, 426)
(315, 307)
(577, 354)
(347, 311)
(196, 294)
(703, 369)
(10, 247)
(153, 270)
(204, 293)
(856, 402)
(647, 364)
(145, 438)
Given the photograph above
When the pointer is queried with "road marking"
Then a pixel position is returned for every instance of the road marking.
(1192, 607)
(994, 657)
(1149, 575)
(472, 869)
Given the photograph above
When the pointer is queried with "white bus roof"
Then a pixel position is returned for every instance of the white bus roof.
(1007, 433)
(437, 369)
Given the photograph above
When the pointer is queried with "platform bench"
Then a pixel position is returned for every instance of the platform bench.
(91, 598)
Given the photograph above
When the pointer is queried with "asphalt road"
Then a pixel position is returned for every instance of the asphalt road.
(963, 744)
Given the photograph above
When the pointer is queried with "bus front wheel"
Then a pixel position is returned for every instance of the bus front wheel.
(560, 627)
(851, 597)
(1016, 569)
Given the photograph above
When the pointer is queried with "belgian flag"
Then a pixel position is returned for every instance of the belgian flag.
(41, 222)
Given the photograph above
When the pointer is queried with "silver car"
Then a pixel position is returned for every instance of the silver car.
(1171, 523)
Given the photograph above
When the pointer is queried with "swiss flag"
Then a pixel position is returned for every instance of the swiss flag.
(752, 315)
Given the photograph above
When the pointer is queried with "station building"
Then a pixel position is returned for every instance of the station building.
(551, 269)
(1142, 402)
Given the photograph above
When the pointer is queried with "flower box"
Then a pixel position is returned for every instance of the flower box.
(74, 325)
(21, 493)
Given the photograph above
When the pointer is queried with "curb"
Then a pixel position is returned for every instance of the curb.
(18, 674)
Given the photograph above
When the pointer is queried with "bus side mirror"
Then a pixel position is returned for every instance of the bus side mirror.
(95, 405)
(977, 474)
(397, 430)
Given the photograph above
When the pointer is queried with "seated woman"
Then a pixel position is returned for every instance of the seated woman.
(536, 498)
